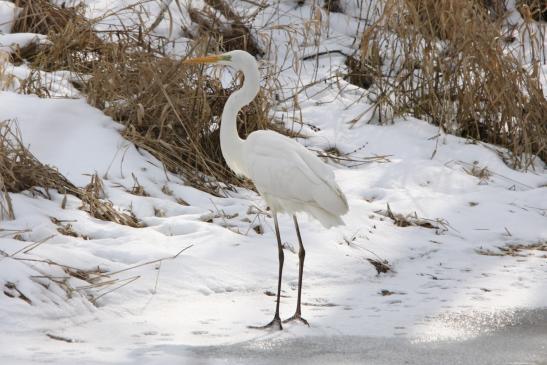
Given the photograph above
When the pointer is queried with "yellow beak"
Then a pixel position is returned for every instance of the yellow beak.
(205, 59)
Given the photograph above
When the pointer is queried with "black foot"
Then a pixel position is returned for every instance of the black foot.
(275, 324)
(297, 317)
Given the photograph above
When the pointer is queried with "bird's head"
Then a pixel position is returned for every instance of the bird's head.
(242, 61)
(237, 59)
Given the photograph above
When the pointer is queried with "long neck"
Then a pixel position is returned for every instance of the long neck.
(230, 142)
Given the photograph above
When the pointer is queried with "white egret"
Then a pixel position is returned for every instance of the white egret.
(290, 178)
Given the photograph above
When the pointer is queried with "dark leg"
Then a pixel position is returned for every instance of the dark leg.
(301, 257)
(276, 322)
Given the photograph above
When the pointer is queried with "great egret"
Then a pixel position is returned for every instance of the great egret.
(290, 178)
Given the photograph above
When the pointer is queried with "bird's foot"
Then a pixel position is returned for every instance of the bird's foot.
(275, 324)
(297, 317)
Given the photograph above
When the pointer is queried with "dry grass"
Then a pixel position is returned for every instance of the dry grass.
(412, 220)
(21, 171)
(172, 111)
(74, 44)
(445, 61)
(516, 249)
(10, 290)
(381, 266)
(43, 17)
(95, 203)
(168, 108)
(481, 173)
(224, 36)
(534, 9)
(334, 6)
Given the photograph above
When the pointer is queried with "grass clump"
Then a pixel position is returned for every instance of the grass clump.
(21, 171)
(43, 17)
(534, 9)
(172, 111)
(446, 62)
(73, 43)
(224, 28)
(168, 108)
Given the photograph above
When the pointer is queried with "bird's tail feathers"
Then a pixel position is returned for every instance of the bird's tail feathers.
(326, 218)
(331, 199)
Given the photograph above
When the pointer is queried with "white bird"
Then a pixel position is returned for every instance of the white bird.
(290, 178)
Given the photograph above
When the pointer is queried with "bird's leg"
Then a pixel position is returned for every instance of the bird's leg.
(301, 257)
(276, 322)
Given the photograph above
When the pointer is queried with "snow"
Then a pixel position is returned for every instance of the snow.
(72, 122)
(446, 301)
(8, 42)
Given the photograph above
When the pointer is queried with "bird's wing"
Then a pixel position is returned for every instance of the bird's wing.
(282, 168)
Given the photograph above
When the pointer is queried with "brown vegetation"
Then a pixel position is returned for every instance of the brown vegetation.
(444, 61)
(534, 9)
(73, 41)
(20, 170)
(169, 109)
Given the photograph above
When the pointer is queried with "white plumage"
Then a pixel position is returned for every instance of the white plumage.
(290, 178)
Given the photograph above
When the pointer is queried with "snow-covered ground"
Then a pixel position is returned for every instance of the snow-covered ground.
(449, 294)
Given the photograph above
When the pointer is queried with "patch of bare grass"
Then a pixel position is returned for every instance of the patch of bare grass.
(173, 111)
(481, 173)
(515, 249)
(65, 228)
(170, 109)
(412, 220)
(446, 62)
(533, 9)
(21, 171)
(334, 6)
(225, 29)
(11, 290)
(74, 44)
(95, 203)
(381, 266)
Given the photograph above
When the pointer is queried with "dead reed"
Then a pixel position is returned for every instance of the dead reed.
(334, 6)
(73, 45)
(224, 28)
(21, 171)
(169, 109)
(534, 9)
(446, 62)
